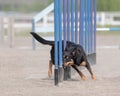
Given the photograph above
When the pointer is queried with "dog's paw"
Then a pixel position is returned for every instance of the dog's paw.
(49, 74)
(93, 77)
(83, 78)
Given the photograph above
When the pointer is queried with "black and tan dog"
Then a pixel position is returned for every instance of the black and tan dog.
(69, 55)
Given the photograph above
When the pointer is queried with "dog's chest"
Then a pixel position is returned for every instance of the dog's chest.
(78, 59)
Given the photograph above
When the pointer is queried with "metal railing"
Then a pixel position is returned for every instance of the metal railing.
(41, 15)
(37, 18)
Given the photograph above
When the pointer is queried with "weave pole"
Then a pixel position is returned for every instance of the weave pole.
(94, 30)
(65, 29)
(58, 40)
(56, 20)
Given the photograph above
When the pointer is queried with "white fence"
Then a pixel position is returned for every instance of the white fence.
(24, 20)
(46, 24)
(108, 18)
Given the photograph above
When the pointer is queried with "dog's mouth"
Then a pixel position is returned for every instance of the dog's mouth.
(69, 63)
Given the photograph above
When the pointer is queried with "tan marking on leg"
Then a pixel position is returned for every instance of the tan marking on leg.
(82, 75)
(83, 78)
(93, 77)
(90, 70)
(79, 72)
(83, 63)
(50, 68)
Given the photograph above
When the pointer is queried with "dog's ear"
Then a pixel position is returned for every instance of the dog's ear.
(75, 51)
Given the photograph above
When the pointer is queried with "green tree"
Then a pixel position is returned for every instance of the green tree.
(108, 5)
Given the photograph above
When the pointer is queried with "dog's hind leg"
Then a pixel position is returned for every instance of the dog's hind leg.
(50, 68)
(79, 72)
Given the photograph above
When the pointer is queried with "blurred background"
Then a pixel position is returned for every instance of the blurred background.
(16, 18)
(23, 72)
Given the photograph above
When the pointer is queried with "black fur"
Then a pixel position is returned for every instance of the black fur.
(51, 43)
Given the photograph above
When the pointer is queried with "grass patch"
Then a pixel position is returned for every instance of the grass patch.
(108, 33)
(108, 26)
(35, 6)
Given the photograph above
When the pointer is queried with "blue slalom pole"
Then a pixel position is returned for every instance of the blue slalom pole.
(60, 39)
(86, 27)
(81, 31)
(76, 21)
(65, 30)
(56, 30)
(68, 20)
(89, 27)
(60, 32)
(65, 21)
(94, 2)
(72, 21)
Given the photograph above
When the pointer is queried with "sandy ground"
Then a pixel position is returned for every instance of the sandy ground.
(23, 72)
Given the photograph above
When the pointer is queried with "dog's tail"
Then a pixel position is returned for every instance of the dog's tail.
(42, 40)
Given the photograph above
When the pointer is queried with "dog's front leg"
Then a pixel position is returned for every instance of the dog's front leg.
(50, 68)
(90, 70)
(79, 72)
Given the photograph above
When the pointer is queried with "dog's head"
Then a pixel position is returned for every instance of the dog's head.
(68, 59)
(70, 55)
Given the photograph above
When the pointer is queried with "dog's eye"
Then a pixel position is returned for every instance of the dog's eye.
(67, 57)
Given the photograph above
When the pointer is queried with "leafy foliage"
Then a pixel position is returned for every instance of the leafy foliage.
(38, 5)
(108, 5)
(24, 5)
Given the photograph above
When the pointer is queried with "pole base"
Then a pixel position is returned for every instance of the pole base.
(56, 75)
(60, 74)
(67, 73)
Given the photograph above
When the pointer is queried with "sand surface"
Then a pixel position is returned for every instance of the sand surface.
(23, 72)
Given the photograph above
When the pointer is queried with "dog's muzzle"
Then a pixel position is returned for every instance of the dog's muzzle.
(68, 63)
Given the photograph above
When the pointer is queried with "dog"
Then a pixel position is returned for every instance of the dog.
(67, 57)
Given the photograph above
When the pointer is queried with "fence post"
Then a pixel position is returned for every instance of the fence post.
(1, 30)
(33, 30)
(11, 32)
(45, 21)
